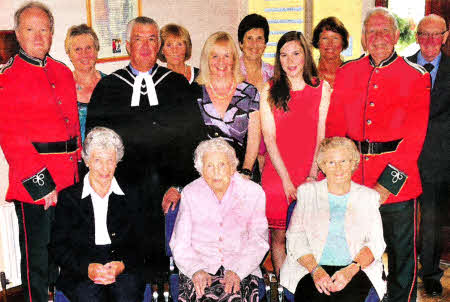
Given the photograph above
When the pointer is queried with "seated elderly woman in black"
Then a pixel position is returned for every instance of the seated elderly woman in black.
(94, 237)
(335, 237)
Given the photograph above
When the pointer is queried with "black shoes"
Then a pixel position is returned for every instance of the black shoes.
(433, 287)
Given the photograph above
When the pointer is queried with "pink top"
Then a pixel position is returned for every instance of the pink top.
(232, 233)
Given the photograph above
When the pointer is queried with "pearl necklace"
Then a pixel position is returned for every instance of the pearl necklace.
(225, 96)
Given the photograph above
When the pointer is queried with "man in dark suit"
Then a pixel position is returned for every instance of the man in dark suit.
(95, 235)
(435, 158)
(153, 110)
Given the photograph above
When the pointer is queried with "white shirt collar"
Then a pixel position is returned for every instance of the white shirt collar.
(88, 190)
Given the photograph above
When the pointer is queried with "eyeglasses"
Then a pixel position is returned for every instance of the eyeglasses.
(434, 36)
(344, 163)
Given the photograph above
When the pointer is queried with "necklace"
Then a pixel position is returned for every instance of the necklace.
(223, 96)
(184, 72)
(80, 85)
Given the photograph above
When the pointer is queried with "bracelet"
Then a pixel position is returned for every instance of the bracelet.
(246, 172)
(314, 270)
(359, 265)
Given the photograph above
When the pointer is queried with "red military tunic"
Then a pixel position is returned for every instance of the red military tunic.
(381, 104)
(37, 105)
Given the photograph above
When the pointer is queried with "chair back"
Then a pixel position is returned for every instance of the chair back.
(289, 212)
(170, 218)
(372, 296)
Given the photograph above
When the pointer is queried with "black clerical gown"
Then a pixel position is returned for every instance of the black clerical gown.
(159, 143)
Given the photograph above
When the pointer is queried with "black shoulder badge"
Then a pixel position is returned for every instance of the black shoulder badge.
(58, 61)
(353, 60)
(417, 67)
(4, 67)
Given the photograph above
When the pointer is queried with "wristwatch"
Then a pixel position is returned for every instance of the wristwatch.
(357, 264)
(246, 172)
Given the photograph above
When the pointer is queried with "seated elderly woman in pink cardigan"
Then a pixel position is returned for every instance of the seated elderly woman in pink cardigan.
(335, 237)
(221, 232)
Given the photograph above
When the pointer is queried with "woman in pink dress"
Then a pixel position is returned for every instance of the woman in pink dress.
(293, 111)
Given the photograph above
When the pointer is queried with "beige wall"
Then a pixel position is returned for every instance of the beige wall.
(201, 18)
(351, 13)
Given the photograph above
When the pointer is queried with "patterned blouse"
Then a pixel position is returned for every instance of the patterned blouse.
(234, 126)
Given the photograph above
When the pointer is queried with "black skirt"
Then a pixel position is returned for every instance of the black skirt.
(356, 290)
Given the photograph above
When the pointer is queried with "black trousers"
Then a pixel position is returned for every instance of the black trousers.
(37, 270)
(129, 285)
(399, 234)
(433, 208)
(356, 290)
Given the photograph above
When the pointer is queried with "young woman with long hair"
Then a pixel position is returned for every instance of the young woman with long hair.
(293, 113)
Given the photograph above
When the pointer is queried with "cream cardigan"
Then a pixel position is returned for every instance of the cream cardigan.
(308, 231)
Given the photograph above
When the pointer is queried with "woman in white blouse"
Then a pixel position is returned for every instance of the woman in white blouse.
(335, 237)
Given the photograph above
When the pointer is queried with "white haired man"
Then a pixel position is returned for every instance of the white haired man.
(434, 161)
(153, 110)
(381, 102)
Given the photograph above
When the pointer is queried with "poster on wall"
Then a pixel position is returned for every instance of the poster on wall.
(109, 19)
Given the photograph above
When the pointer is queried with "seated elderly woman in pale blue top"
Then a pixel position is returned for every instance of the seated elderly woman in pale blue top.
(335, 237)
(220, 235)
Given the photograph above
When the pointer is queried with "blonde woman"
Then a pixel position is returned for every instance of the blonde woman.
(229, 106)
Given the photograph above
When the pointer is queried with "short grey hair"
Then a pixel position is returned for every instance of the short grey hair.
(214, 145)
(335, 142)
(103, 138)
(33, 4)
(140, 20)
(432, 17)
(78, 30)
(380, 11)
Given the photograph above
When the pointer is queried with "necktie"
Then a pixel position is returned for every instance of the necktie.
(151, 93)
(429, 67)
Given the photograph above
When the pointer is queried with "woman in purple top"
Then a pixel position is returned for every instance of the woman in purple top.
(228, 105)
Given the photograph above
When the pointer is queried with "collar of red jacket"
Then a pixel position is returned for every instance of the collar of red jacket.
(32, 60)
(385, 62)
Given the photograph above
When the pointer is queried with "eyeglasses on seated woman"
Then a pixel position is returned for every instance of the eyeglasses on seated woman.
(335, 237)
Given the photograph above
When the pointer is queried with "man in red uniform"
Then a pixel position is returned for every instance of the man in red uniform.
(381, 101)
(39, 135)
